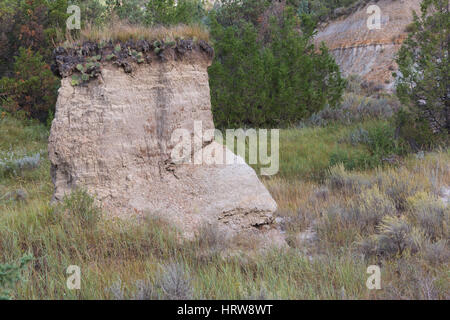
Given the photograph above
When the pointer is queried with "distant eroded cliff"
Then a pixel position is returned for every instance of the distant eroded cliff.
(367, 52)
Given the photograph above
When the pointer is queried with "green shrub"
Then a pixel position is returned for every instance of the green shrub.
(357, 159)
(32, 24)
(130, 10)
(10, 274)
(415, 131)
(381, 140)
(28, 31)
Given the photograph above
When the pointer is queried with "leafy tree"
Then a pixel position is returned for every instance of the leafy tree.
(423, 79)
(7, 10)
(38, 25)
(34, 24)
(33, 87)
(29, 30)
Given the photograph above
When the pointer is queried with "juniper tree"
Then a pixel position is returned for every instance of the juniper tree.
(268, 72)
(423, 79)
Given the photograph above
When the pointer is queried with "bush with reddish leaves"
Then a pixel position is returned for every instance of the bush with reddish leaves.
(32, 89)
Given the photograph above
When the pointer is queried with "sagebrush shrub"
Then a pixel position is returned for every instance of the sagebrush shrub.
(322, 193)
(399, 186)
(368, 247)
(210, 237)
(145, 290)
(33, 89)
(336, 227)
(328, 225)
(371, 207)
(175, 282)
(10, 166)
(377, 108)
(363, 214)
(359, 135)
(340, 179)
(414, 281)
(431, 215)
(116, 291)
(394, 236)
(437, 253)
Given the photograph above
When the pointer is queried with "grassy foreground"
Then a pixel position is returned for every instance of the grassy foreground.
(337, 223)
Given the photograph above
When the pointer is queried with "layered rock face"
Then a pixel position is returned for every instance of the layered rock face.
(114, 137)
(369, 53)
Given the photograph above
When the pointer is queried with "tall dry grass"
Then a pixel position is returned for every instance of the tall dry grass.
(122, 31)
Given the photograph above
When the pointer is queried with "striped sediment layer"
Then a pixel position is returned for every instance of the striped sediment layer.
(369, 53)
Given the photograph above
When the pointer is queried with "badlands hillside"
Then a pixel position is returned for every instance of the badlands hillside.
(369, 52)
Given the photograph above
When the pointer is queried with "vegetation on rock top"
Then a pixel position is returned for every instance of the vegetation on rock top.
(84, 61)
(123, 44)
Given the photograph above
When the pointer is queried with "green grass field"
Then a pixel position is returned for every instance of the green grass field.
(355, 215)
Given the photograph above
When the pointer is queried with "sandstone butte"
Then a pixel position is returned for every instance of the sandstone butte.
(369, 53)
(112, 137)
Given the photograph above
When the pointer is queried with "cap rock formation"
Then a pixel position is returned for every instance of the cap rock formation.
(113, 136)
